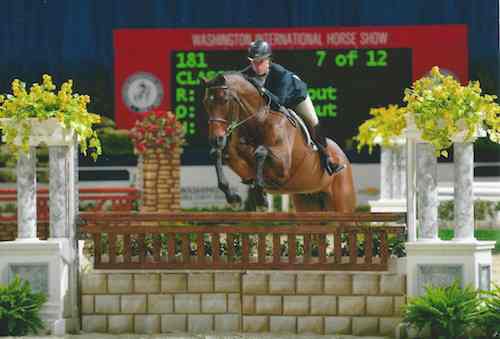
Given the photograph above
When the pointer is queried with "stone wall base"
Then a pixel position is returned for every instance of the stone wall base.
(300, 302)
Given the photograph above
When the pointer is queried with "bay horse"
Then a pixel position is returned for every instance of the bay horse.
(266, 148)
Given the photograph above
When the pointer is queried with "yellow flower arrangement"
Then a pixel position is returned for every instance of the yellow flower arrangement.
(42, 102)
(385, 127)
(442, 109)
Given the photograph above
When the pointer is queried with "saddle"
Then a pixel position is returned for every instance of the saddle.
(290, 114)
(295, 120)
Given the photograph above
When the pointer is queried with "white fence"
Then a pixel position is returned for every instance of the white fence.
(483, 190)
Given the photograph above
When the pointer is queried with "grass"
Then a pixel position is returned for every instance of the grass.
(480, 234)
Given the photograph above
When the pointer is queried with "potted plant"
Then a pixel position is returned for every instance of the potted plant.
(157, 130)
(489, 322)
(449, 312)
(443, 111)
(158, 138)
(20, 309)
(42, 115)
(384, 128)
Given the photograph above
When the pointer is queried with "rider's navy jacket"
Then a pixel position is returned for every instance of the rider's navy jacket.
(286, 88)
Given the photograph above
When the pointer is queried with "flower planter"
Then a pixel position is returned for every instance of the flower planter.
(462, 136)
(49, 132)
(158, 138)
(411, 130)
(161, 181)
(394, 141)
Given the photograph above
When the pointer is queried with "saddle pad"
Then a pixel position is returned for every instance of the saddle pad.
(303, 128)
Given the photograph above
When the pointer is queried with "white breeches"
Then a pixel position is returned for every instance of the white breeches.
(306, 110)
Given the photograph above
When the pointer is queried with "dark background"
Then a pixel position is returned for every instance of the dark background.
(359, 88)
(73, 39)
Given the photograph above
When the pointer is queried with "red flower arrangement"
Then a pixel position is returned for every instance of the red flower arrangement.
(157, 129)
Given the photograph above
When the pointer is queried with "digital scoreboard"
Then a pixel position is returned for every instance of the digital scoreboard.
(348, 71)
(343, 84)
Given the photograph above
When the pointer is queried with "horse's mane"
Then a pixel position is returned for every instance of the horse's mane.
(221, 78)
(237, 78)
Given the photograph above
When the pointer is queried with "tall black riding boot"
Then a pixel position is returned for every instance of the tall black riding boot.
(327, 162)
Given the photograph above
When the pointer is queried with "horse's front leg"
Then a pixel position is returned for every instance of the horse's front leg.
(231, 197)
(261, 154)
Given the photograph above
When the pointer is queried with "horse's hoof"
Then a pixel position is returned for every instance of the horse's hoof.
(247, 181)
(234, 199)
(261, 203)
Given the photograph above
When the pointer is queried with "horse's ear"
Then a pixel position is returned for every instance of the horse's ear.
(204, 81)
(219, 80)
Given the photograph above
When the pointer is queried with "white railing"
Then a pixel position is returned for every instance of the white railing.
(483, 190)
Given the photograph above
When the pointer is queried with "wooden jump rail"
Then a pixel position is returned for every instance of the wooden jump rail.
(315, 240)
(114, 198)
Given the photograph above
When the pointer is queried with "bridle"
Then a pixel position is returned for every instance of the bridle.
(232, 124)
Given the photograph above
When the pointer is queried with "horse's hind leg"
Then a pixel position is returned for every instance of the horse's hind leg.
(260, 157)
(341, 196)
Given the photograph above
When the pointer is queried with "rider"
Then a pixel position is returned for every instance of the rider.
(284, 88)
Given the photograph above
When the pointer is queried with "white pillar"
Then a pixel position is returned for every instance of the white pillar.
(429, 261)
(60, 196)
(399, 172)
(464, 197)
(386, 172)
(26, 196)
(390, 180)
(427, 192)
(72, 310)
(411, 189)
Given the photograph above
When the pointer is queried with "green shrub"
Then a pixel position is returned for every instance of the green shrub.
(449, 312)
(115, 142)
(489, 322)
(483, 210)
(19, 309)
(445, 210)
(363, 208)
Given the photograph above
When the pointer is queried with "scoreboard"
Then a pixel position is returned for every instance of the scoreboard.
(348, 71)
(342, 83)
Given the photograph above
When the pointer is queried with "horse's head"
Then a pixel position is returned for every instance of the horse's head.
(230, 101)
(218, 106)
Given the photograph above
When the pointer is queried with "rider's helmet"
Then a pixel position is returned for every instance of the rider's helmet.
(259, 49)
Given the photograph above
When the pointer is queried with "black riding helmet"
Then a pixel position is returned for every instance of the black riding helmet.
(259, 49)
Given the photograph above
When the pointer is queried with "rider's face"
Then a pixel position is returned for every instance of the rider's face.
(260, 66)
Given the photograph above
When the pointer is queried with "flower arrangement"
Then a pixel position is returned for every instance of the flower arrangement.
(445, 111)
(385, 127)
(42, 103)
(157, 129)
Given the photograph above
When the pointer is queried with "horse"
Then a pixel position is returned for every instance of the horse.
(265, 148)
